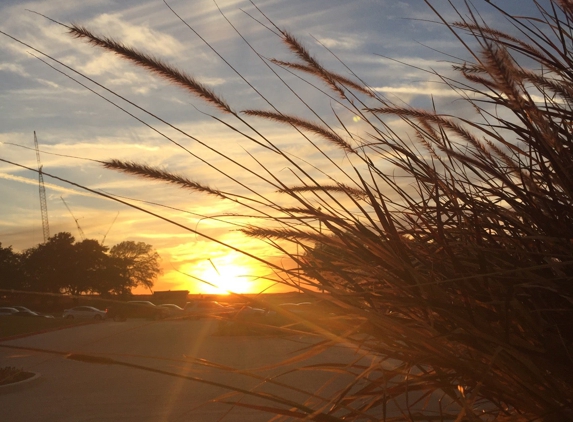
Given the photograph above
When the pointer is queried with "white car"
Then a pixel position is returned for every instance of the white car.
(207, 308)
(23, 311)
(7, 311)
(173, 309)
(297, 308)
(22, 308)
(245, 311)
(88, 312)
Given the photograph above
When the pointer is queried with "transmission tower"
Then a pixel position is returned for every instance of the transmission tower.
(43, 206)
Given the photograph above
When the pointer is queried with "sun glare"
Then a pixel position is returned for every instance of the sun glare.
(224, 275)
(225, 279)
(220, 273)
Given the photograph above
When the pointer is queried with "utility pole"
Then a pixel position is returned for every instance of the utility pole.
(43, 206)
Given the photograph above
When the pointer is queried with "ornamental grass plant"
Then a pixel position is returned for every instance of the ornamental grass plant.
(442, 242)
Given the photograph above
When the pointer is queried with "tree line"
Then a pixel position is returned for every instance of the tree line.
(62, 265)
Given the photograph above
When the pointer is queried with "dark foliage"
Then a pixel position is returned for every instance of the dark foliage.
(62, 265)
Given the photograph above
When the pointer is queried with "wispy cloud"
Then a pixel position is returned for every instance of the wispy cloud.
(423, 89)
(51, 186)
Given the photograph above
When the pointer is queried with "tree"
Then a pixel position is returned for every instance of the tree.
(89, 268)
(138, 261)
(11, 276)
(63, 266)
(51, 265)
(115, 279)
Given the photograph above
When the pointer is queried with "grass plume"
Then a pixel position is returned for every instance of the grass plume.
(154, 173)
(327, 134)
(154, 65)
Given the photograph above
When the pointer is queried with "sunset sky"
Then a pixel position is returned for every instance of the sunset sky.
(75, 126)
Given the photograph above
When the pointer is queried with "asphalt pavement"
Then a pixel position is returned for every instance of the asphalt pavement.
(169, 371)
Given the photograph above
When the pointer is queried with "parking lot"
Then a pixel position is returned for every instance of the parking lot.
(73, 390)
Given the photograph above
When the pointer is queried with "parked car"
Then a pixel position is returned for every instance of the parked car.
(173, 309)
(136, 309)
(21, 308)
(85, 312)
(297, 308)
(6, 311)
(246, 312)
(207, 308)
(28, 312)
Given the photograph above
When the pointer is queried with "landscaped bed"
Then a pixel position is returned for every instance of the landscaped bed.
(11, 375)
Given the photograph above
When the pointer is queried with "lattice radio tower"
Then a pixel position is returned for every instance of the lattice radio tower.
(43, 206)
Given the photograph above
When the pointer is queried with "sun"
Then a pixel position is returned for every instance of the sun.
(220, 273)
(225, 279)
(224, 275)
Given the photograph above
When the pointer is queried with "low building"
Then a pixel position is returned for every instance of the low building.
(178, 297)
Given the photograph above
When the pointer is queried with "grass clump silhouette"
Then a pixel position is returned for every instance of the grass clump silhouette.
(447, 250)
